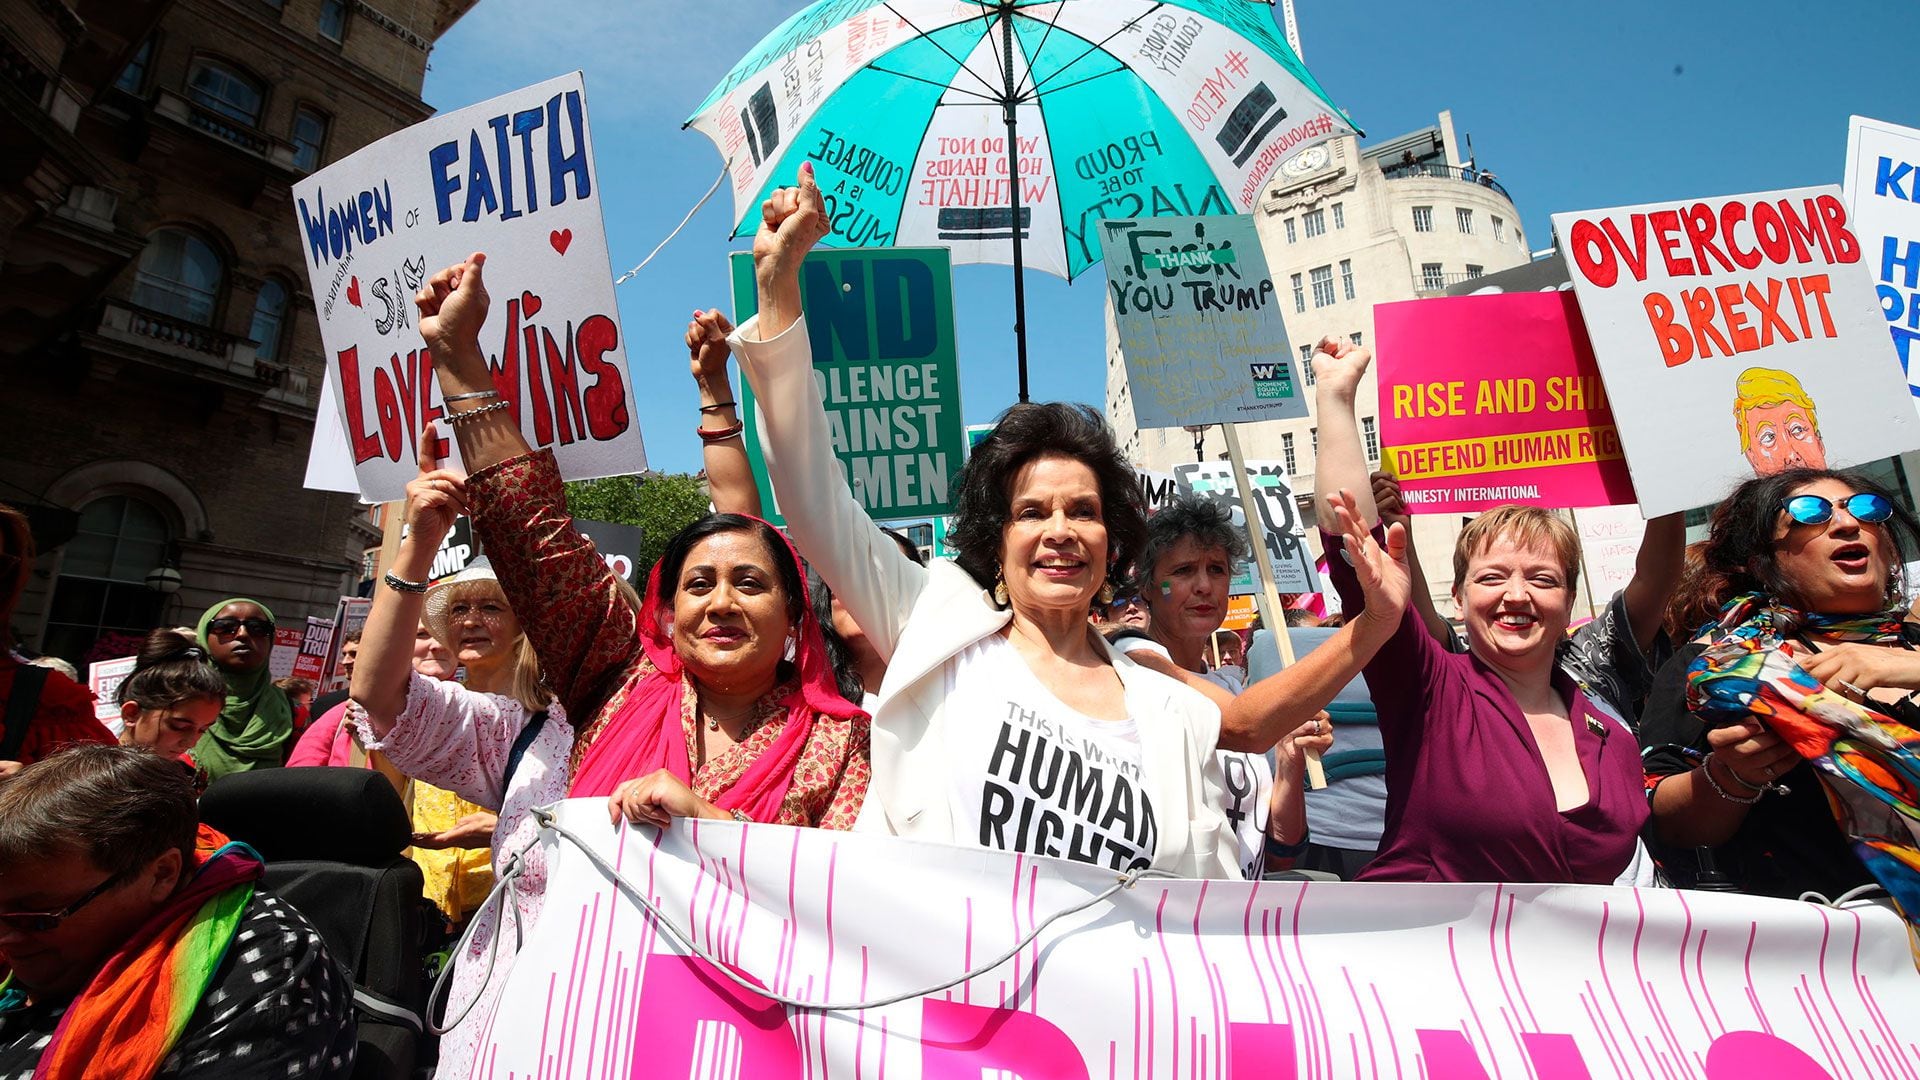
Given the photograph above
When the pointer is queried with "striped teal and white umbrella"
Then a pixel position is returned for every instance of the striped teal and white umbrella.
(912, 112)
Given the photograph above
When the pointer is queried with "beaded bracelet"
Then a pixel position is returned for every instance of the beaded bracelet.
(1707, 768)
(399, 584)
(468, 414)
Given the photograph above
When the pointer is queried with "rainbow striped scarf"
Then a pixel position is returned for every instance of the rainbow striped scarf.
(130, 1016)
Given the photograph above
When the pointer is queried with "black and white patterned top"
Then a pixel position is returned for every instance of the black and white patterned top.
(279, 1007)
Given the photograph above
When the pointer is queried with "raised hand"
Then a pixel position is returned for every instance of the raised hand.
(436, 497)
(707, 350)
(792, 220)
(1386, 499)
(453, 305)
(1382, 571)
(1338, 365)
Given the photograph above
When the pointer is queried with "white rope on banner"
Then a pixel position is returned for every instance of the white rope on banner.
(623, 278)
(544, 816)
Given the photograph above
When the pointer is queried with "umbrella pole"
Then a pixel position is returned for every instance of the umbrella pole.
(1009, 110)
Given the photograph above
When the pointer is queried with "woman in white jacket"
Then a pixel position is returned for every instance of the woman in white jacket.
(1004, 721)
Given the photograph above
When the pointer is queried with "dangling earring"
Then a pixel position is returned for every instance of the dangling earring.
(1106, 593)
(999, 589)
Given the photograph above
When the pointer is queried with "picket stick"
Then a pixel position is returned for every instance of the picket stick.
(1272, 615)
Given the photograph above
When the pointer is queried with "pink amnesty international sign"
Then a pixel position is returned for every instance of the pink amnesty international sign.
(1165, 978)
(1486, 400)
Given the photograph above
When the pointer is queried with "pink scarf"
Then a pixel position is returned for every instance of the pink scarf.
(648, 734)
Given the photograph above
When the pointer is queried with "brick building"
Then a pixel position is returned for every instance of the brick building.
(159, 358)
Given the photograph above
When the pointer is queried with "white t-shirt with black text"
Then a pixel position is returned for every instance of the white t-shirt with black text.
(1036, 776)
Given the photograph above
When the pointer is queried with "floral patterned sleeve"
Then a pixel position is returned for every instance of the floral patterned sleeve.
(562, 592)
(850, 791)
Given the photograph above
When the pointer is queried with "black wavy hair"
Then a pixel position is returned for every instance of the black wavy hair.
(172, 667)
(682, 542)
(1740, 542)
(1026, 432)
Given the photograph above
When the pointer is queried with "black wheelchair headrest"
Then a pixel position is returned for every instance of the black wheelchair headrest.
(326, 814)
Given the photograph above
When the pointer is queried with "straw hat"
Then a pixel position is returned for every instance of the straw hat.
(440, 597)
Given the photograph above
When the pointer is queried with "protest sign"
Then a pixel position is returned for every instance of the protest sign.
(1169, 978)
(1725, 329)
(315, 643)
(349, 616)
(1495, 399)
(457, 551)
(1286, 537)
(512, 177)
(619, 545)
(885, 359)
(1199, 322)
(1882, 186)
(286, 649)
(1609, 549)
(104, 678)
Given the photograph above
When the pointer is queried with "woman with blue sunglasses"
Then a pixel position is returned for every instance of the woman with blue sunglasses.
(1812, 638)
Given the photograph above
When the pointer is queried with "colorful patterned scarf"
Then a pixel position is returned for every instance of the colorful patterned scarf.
(129, 1017)
(1868, 762)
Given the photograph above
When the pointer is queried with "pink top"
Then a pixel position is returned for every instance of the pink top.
(327, 741)
(458, 739)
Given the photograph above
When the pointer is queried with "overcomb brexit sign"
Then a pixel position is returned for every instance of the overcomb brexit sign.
(885, 360)
(1726, 330)
(1168, 978)
(512, 177)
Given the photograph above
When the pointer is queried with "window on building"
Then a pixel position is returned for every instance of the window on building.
(1290, 233)
(1423, 219)
(1463, 217)
(1339, 215)
(1475, 271)
(333, 20)
(1431, 278)
(1286, 453)
(1346, 277)
(133, 77)
(1315, 222)
(1499, 229)
(1306, 364)
(1322, 285)
(1299, 295)
(1357, 338)
(1370, 434)
(309, 138)
(1313, 436)
(222, 89)
(179, 275)
(269, 320)
(102, 587)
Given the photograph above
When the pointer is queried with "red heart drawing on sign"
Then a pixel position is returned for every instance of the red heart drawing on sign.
(560, 238)
(529, 305)
(353, 292)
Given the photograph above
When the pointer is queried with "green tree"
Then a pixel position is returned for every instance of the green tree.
(661, 504)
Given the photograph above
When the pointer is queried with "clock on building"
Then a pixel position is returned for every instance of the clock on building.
(1306, 161)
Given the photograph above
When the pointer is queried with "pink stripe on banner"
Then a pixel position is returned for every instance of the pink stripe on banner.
(1513, 1029)
(1493, 924)
(593, 926)
(1033, 889)
(883, 1049)
(966, 988)
(547, 1018)
(1173, 980)
(1686, 934)
(1519, 985)
(826, 990)
(599, 999)
(1193, 1046)
(746, 896)
(1321, 1031)
(1146, 969)
(1359, 1012)
(1253, 963)
(1606, 979)
(860, 1040)
(1013, 904)
(1600, 1032)
(1297, 996)
(1803, 997)
(1654, 1008)
(793, 918)
(1138, 1023)
(1216, 994)
(1826, 931)
(1753, 998)
(1453, 958)
(1393, 1044)
(1700, 974)
(1880, 1021)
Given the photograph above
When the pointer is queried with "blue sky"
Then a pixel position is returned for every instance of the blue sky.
(1573, 105)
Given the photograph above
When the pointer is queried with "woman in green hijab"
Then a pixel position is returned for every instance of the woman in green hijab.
(257, 720)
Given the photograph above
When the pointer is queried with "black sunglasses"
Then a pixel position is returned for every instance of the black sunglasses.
(1818, 509)
(43, 922)
(229, 625)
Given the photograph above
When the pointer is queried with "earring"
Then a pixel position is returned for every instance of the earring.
(1106, 593)
(999, 589)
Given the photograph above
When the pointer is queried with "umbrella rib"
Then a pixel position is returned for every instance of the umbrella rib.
(984, 99)
(986, 31)
(1077, 82)
(1042, 47)
(1095, 47)
(992, 91)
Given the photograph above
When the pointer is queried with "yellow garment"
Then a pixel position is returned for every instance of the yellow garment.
(458, 879)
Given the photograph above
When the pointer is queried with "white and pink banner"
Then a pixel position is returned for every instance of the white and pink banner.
(1170, 978)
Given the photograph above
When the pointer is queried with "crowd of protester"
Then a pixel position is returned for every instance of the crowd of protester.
(828, 678)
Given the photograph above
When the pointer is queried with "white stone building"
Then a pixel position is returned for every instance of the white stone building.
(1345, 227)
